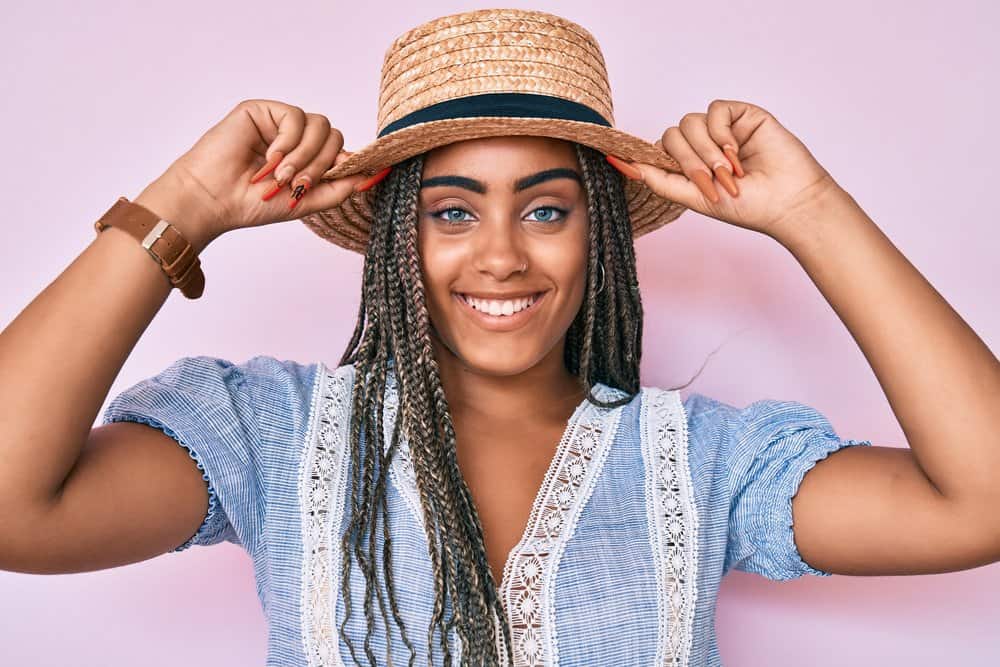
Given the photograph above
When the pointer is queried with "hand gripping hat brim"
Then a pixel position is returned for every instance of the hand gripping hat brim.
(487, 73)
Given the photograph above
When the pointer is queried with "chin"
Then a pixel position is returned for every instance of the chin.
(496, 359)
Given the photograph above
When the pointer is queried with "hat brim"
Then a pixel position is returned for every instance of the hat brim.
(348, 224)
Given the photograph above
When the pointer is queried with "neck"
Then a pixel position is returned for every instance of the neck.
(547, 392)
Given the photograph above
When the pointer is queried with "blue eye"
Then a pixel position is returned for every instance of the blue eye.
(548, 216)
(449, 219)
(445, 214)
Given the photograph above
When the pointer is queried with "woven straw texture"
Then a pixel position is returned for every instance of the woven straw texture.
(491, 51)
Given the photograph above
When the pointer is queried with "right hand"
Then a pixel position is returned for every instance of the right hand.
(207, 191)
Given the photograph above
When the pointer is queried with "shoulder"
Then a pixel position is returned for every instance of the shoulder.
(259, 389)
(703, 416)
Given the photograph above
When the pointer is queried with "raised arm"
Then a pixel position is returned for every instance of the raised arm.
(59, 357)
(932, 507)
(74, 498)
(863, 510)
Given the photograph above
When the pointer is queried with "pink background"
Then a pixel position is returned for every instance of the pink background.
(893, 99)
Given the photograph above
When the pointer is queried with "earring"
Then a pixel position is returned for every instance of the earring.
(600, 265)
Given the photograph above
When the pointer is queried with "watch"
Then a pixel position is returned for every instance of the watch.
(162, 241)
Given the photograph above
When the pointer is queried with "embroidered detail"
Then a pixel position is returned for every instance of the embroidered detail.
(528, 583)
(527, 588)
(673, 521)
(402, 475)
(322, 484)
(401, 471)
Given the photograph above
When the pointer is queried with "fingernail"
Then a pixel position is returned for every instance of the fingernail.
(734, 159)
(302, 185)
(704, 183)
(285, 173)
(372, 181)
(726, 178)
(267, 168)
(624, 167)
(277, 188)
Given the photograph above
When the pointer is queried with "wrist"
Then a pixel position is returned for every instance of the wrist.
(169, 200)
(805, 222)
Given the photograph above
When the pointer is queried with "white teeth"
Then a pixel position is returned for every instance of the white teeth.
(498, 307)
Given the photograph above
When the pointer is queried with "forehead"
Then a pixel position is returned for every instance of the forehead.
(500, 156)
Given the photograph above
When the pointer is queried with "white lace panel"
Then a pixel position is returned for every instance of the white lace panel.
(322, 484)
(528, 586)
(673, 522)
(401, 471)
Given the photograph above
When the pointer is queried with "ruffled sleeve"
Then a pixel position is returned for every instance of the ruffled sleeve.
(773, 444)
(205, 404)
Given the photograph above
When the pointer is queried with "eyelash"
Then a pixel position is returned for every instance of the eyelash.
(435, 214)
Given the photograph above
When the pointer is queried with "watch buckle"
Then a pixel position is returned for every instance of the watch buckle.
(155, 233)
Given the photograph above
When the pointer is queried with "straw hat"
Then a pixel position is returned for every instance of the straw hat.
(492, 72)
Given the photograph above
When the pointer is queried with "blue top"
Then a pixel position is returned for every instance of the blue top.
(644, 508)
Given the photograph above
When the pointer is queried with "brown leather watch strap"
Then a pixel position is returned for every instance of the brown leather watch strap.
(162, 240)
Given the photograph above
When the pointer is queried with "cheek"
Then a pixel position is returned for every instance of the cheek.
(440, 265)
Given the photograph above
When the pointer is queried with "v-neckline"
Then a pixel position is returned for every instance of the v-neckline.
(404, 477)
(543, 491)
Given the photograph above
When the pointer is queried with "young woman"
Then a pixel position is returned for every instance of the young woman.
(483, 479)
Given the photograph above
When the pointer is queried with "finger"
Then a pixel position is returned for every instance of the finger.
(342, 157)
(312, 139)
(319, 165)
(676, 144)
(722, 114)
(291, 123)
(324, 194)
(328, 194)
(694, 126)
(675, 187)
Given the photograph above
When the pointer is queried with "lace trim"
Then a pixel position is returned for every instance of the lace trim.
(401, 472)
(527, 588)
(528, 583)
(402, 475)
(673, 522)
(322, 484)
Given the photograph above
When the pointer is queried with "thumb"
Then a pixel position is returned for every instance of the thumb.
(330, 193)
(675, 187)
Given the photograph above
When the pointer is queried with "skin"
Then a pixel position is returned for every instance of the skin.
(509, 392)
(926, 508)
(503, 241)
(860, 511)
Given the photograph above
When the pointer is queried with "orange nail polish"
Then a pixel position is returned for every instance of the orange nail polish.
(268, 168)
(734, 159)
(624, 167)
(372, 181)
(299, 192)
(726, 178)
(704, 183)
(277, 188)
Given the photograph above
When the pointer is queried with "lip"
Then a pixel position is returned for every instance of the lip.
(500, 322)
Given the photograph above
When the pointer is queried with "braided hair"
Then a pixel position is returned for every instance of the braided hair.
(393, 333)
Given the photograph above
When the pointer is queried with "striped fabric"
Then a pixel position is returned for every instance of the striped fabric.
(645, 507)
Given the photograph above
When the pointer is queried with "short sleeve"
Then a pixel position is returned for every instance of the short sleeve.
(204, 403)
(773, 444)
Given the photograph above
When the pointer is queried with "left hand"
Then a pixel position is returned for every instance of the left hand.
(781, 178)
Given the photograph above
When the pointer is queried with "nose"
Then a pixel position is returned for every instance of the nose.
(499, 249)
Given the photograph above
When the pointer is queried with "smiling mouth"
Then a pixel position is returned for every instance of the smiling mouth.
(501, 308)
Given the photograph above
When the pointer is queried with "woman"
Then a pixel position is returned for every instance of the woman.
(484, 454)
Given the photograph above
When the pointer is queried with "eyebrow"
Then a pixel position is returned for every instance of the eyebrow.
(521, 184)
